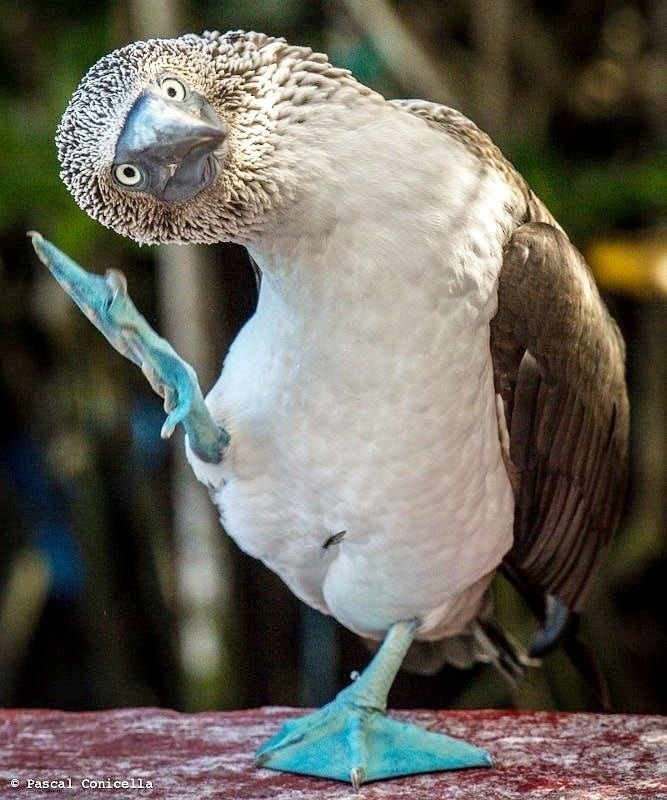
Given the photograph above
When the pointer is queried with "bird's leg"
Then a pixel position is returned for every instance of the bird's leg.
(106, 303)
(351, 738)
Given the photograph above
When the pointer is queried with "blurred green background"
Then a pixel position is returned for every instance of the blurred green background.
(117, 586)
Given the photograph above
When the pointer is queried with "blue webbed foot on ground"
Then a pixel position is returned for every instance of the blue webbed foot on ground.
(356, 744)
(352, 739)
(106, 303)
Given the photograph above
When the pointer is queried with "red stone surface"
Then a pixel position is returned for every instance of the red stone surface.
(200, 756)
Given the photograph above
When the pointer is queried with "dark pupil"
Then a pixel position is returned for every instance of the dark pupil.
(128, 172)
(171, 91)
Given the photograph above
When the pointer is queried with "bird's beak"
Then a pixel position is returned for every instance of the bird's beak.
(173, 144)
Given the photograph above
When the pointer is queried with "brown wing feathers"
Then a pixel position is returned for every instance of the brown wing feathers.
(559, 366)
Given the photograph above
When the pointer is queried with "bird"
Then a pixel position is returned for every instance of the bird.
(430, 390)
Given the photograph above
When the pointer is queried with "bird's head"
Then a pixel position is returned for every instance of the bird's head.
(188, 139)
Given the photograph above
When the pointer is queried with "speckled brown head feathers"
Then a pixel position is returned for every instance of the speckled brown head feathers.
(258, 85)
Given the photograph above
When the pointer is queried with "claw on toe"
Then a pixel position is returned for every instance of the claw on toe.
(357, 777)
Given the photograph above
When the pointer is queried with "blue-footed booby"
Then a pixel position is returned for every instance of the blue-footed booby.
(430, 368)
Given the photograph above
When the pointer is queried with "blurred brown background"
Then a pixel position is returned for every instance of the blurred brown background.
(117, 586)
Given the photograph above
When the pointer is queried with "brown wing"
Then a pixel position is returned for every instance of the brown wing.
(559, 366)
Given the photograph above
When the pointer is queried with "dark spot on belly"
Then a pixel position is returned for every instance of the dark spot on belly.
(335, 538)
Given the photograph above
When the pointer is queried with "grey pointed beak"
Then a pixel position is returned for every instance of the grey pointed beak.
(173, 144)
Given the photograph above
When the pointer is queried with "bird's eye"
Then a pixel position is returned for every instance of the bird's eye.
(173, 88)
(127, 174)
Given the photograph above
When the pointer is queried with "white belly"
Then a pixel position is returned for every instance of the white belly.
(360, 396)
(388, 433)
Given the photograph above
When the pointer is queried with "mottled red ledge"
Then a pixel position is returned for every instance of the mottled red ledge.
(154, 753)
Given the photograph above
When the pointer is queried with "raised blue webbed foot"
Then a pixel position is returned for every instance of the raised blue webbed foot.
(352, 739)
(106, 303)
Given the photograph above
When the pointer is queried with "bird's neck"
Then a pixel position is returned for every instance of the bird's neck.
(378, 207)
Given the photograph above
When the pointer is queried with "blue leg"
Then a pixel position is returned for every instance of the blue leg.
(104, 300)
(351, 738)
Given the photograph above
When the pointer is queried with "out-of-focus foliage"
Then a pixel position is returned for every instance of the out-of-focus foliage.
(573, 93)
(39, 68)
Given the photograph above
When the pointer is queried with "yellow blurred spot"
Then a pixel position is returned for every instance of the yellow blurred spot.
(634, 267)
